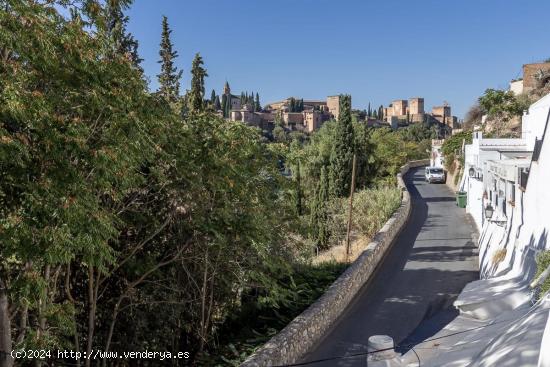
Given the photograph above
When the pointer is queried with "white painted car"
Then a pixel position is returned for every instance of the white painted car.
(435, 174)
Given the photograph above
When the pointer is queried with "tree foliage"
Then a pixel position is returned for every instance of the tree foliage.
(343, 149)
(498, 102)
(169, 77)
(198, 73)
(123, 226)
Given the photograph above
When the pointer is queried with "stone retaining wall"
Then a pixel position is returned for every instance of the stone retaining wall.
(306, 330)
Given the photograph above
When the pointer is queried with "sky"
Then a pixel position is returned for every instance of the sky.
(377, 51)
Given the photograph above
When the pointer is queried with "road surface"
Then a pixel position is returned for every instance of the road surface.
(430, 262)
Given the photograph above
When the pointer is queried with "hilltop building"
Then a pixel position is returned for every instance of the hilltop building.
(234, 101)
(403, 112)
(311, 117)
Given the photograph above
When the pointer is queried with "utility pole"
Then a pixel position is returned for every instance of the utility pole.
(350, 206)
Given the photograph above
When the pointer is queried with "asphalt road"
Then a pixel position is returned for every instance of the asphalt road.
(430, 262)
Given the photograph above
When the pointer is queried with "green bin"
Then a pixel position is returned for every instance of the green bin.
(461, 197)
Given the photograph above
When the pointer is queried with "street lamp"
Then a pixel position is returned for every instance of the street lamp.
(489, 211)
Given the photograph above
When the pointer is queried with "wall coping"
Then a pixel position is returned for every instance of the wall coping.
(308, 328)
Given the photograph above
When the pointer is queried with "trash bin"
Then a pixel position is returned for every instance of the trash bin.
(461, 197)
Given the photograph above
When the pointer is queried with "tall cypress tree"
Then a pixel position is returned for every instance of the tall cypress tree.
(320, 232)
(224, 105)
(196, 98)
(213, 97)
(227, 110)
(298, 189)
(369, 111)
(342, 152)
(257, 106)
(169, 77)
(122, 42)
(292, 105)
(217, 104)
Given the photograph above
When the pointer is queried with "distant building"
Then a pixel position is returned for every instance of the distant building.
(443, 115)
(399, 107)
(235, 101)
(416, 106)
(333, 104)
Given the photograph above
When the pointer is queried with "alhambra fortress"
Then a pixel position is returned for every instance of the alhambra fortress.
(311, 114)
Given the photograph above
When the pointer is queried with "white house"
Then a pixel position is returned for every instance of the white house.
(508, 187)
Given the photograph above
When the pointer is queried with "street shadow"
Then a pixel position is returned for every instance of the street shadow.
(398, 297)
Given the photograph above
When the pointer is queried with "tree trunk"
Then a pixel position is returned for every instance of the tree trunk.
(91, 315)
(5, 328)
(203, 303)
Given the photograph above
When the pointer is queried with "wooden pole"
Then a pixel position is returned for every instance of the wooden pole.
(350, 207)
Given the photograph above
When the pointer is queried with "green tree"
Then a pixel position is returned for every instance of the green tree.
(196, 96)
(224, 105)
(257, 105)
(342, 153)
(319, 216)
(169, 77)
(121, 41)
(213, 97)
(299, 195)
(497, 102)
(292, 105)
(217, 104)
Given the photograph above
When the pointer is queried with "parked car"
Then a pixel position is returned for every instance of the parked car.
(435, 174)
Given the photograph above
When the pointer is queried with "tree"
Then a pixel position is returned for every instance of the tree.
(319, 212)
(169, 77)
(381, 112)
(299, 194)
(227, 109)
(196, 97)
(122, 42)
(369, 111)
(257, 106)
(224, 105)
(292, 105)
(498, 102)
(217, 104)
(342, 152)
(279, 134)
(213, 97)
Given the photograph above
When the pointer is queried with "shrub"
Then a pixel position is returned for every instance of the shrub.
(371, 209)
(543, 261)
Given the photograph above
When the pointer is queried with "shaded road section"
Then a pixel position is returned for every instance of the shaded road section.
(430, 262)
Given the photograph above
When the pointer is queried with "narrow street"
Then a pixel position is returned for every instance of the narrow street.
(431, 261)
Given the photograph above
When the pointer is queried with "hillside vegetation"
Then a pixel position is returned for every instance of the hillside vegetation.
(133, 220)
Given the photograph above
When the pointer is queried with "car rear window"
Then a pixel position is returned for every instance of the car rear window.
(436, 170)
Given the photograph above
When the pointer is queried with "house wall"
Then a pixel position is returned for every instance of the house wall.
(516, 87)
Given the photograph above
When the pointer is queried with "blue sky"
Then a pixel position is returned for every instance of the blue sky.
(377, 51)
